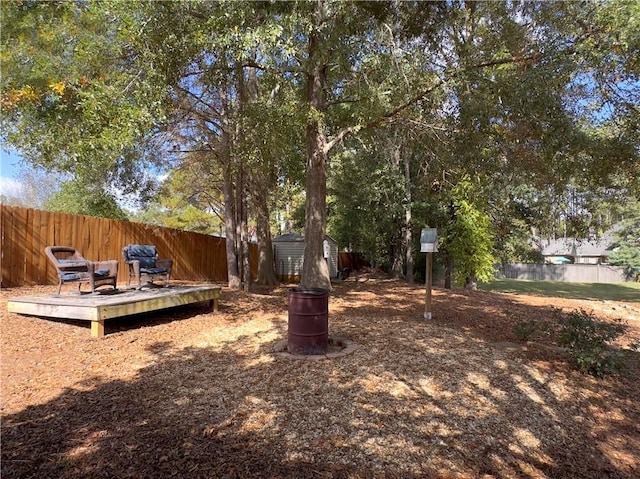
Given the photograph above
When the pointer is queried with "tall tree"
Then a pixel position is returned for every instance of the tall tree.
(91, 88)
(626, 252)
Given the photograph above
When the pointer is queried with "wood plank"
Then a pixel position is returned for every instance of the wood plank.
(40, 308)
(20, 245)
(5, 272)
(99, 307)
(29, 270)
(148, 304)
(50, 231)
(39, 259)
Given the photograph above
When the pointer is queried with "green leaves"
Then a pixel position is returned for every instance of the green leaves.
(75, 197)
(588, 341)
(534, 108)
(469, 238)
(626, 249)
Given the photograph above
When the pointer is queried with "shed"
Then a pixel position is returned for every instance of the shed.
(288, 253)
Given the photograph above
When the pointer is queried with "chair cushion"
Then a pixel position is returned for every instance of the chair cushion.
(153, 270)
(146, 254)
(101, 272)
(70, 276)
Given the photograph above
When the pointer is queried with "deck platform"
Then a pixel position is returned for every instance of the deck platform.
(110, 304)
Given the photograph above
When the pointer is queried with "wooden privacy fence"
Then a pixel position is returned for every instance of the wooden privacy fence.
(25, 232)
(575, 273)
(353, 261)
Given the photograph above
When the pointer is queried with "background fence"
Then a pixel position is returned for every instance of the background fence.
(25, 232)
(353, 261)
(576, 273)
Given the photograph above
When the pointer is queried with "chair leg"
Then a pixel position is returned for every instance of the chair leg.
(59, 287)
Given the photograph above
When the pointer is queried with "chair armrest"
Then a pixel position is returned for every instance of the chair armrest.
(72, 266)
(111, 265)
(164, 263)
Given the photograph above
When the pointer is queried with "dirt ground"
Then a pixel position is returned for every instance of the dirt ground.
(189, 393)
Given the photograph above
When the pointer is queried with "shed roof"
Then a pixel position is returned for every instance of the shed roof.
(288, 237)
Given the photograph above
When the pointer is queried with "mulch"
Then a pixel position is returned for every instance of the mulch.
(193, 394)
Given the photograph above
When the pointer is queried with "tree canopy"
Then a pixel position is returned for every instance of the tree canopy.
(384, 113)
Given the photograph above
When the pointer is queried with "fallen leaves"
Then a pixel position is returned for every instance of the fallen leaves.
(188, 393)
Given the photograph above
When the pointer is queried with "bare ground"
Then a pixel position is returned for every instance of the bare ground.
(192, 394)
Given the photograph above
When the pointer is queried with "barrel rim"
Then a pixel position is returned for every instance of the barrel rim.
(309, 291)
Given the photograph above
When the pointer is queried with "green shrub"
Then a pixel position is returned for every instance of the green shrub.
(586, 340)
(525, 330)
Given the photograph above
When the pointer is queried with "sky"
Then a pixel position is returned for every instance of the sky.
(8, 171)
(8, 161)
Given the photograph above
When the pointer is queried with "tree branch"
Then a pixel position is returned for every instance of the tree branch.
(420, 96)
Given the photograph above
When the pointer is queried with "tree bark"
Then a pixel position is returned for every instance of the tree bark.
(397, 265)
(315, 271)
(408, 237)
(246, 89)
(243, 231)
(266, 272)
(230, 224)
(448, 271)
(233, 274)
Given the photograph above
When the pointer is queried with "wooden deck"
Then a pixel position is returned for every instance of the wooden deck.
(109, 304)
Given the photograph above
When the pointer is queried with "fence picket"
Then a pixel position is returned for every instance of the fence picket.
(26, 233)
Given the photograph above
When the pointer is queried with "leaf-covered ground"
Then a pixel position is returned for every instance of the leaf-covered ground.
(193, 394)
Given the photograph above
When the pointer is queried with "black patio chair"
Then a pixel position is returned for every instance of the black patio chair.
(143, 263)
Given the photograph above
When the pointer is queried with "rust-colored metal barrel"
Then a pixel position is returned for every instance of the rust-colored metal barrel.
(308, 331)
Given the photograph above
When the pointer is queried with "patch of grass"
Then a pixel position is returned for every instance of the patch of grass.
(598, 291)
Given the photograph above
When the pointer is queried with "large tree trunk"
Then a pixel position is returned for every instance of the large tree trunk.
(259, 182)
(397, 258)
(243, 231)
(266, 271)
(233, 273)
(401, 248)
(408, 238)
(448, 270)
(246, 94)
(397, 265)
(230, 223)
(315, 271)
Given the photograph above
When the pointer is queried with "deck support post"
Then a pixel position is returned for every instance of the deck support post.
(97, 328)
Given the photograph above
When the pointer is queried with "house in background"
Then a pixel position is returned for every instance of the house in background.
(578, 251)
(288, 253)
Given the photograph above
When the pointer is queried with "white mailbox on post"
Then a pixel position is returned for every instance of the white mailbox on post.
(429, 245)
(429, 240)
